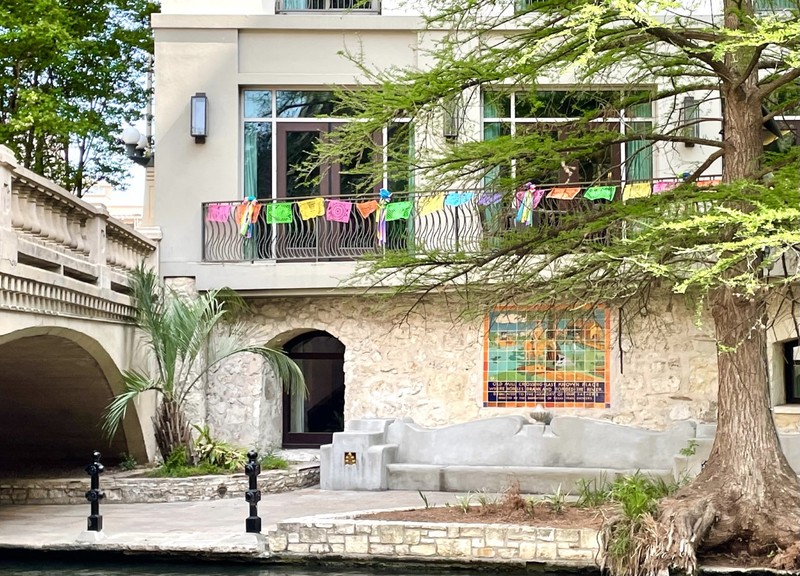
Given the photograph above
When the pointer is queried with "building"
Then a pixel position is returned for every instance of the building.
(259, 73)
(127, 206)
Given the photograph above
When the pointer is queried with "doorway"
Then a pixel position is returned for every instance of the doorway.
(310, 421)
(318, 238)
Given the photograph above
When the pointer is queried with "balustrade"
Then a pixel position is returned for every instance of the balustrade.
(47, 227)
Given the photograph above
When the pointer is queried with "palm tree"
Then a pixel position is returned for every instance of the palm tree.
(186, 338)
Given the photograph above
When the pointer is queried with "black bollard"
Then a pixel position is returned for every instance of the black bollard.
(94, 495)
(253, 494)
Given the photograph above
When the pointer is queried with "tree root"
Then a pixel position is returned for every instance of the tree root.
(672, 541)
(695, 521)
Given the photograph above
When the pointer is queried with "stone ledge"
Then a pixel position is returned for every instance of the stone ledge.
(346, 537)
(137, 490)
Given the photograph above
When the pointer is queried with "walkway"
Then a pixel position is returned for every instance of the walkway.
(213, 527)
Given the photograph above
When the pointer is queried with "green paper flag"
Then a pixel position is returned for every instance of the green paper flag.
(600, 192)
(398, 211)
(280, 213)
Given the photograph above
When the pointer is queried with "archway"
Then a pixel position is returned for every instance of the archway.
(310, 421)
(54, 391)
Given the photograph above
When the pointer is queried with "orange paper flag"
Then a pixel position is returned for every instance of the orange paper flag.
(366, 208)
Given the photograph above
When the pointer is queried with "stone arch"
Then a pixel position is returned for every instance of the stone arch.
(310, 421)
(55, 383)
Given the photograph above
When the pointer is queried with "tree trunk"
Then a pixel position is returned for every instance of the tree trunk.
(172, 431)
(747, 494)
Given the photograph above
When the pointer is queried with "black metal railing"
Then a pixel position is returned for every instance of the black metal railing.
(457, 221)
(356, 6)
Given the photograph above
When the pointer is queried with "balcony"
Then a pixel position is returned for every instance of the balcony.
(458, 221)
(326, 6)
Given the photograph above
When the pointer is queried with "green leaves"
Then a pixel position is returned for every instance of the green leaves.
(70, 76)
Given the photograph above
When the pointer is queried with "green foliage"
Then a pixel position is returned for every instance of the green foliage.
(425, 501)
(557, 500)
(176, 465)
(273, 461)
(690, 449)
(485, 499)
(216, 453)
(71, 73)
(594, 492)
(186, 337)
(127, 462)
(464, 502)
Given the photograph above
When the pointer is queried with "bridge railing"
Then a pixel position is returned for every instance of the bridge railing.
(43, 226)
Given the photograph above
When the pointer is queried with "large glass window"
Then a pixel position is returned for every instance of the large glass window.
(552, 114)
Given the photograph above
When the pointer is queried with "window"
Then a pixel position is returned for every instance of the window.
(791, 371)
(328, 6)
(552, 114)
(766, 6)
(280, 129)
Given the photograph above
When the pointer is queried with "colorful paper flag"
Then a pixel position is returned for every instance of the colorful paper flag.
(638, 190)
(431, 204)
(457, 198)
(564, 193)
(487, 199)
(398, 210)
(600, 193)
(660, 187)
(338, 211)
(366, 208)
(707, 183)
(246, 214)
(218, 212)
(311, 208)
(280, 213)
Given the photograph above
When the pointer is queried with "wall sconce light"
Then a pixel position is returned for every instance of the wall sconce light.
(690, 116)
(199, 127)
(453, 117)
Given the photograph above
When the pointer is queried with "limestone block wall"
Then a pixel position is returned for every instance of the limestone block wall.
(428, 365)
(347, 537)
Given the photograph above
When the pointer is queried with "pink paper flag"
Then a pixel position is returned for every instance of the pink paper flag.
(660, 187)
(338, 211)
(218, 212)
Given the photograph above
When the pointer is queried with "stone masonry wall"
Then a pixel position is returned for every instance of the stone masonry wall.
(346, 537)
(140, 489)
(428, 365)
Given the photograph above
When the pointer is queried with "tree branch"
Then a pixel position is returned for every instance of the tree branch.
(770, 87)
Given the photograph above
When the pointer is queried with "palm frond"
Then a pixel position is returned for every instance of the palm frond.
(135, 384)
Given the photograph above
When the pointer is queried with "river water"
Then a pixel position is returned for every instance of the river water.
(130, 567)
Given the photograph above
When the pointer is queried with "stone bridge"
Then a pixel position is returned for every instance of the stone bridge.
(65, 326)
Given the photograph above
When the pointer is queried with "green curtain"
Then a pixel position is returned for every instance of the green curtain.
(639, 154)
(250, 245)
(250, 161)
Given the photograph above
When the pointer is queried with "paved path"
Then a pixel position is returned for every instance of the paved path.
(215, 526)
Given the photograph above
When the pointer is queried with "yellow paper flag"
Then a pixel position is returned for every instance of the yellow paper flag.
(311, 208)
(431, 204)
(638, 190)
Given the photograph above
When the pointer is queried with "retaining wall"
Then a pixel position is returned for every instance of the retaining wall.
(140, 489)
(346, 537)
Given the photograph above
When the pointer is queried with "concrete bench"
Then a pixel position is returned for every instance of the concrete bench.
(491, 454)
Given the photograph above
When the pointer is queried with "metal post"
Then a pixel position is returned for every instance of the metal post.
(94, 495)
(253, 494)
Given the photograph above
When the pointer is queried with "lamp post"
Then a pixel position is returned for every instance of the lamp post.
(137, 147)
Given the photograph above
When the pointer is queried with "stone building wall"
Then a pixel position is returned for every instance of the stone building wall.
(428, 365)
